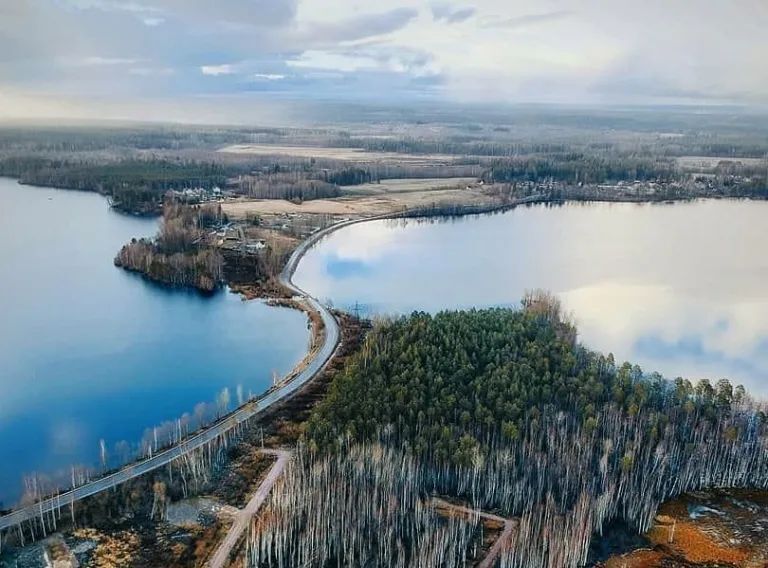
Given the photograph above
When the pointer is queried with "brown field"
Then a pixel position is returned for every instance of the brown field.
(408, 185)
(638, 559)
(358, 155)
(727, 531)
(366, 206)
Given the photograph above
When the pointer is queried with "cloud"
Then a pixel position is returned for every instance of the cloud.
(357, 27)
(527, 20)
(216, 70)
(676, 332)
(93, 65)
(346, 63)
(112, 6)
(257, 13)
(95, 61)
(445, 12)
(268, 76)
(263, 14)
(67, 437)
(369, 58)
(462, 50)
(241, 69)
(151, 71)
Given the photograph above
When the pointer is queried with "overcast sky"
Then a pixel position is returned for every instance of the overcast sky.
(197, 58)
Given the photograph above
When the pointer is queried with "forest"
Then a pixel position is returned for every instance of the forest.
(578, 168)
(448, 381)
(175, 257)
(186, 253)
(136, 165)
(133, 185)
(505, 411)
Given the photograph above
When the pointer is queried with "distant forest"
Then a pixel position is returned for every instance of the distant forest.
(134, 185)
(137, 165)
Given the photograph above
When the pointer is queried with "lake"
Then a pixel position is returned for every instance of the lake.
(678, 288)
(91, 352)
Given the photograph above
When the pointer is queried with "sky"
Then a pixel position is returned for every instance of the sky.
(214, 59)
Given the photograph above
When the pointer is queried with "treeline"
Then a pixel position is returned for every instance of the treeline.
(139, 185)
(371, 173)
(147, 496)
(539, 138)
(477, 145)
(578, 168)
(560, 480)
(504, 410)
(294, 185)
(349, 176)
(134, 185)
(136, 166)
(176, 256)
(68, 139)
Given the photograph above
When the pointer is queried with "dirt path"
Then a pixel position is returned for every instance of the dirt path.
(510, 525)
(493, 554)
(221, 557)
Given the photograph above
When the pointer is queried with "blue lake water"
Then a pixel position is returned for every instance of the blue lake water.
(90, 352)
(681, 288)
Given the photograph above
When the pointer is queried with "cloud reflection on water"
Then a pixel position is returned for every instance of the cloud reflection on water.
(674, 333)
(676, 288)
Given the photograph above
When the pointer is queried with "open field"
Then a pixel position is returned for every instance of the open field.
(407, 185)
(696, 163)
(357, 206)
(371, 199)
(359, 155)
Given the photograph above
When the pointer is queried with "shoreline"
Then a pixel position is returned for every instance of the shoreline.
(317, 358)
(302, 374)
(129, 212)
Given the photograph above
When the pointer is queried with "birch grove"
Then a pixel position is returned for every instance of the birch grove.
(366, 504)
(505, 412)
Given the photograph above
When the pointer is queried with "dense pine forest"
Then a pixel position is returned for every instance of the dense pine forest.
(505, 411)
(449, 381)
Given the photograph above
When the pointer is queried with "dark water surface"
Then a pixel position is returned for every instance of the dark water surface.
(90, 352)
(678, 288)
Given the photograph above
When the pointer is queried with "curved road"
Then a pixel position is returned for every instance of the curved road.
(245, 412)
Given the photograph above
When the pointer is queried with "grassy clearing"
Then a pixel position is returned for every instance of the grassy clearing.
(330, 153)
(390, 186)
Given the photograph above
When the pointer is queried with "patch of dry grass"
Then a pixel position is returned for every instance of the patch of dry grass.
(390, 186)
(358, 155)
(360, 206)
